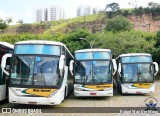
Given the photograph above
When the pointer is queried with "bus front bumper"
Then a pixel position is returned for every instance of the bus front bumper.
(26, 99)
(128, 90)
(93, 93)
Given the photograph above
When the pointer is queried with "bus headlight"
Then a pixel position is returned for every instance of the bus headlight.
(13, 91)
(53, 93)
(107, 89)
(78, 89)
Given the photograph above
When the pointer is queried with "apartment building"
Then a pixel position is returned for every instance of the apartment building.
(50, 13)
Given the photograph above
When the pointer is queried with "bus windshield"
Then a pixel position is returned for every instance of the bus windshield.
(92, 55)
(35, 70)
(138, 72)
(37, 49)
(93, 71)
(132, 59)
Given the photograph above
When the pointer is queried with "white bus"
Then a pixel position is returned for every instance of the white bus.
(136, 73)
(39, 72)
(4, 48)
(93, 71)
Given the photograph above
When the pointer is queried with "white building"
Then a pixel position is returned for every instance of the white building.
(50, 13)
(84, 10)
(38, 15)
(45, 14)
(55, 13)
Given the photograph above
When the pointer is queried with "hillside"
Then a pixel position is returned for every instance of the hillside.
(94, 23)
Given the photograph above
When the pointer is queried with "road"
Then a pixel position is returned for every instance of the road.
(74, 103)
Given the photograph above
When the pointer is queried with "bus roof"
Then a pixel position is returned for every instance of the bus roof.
(44, 42)
(89, 50)
(7, 45)
(134, 54)
(39, 42)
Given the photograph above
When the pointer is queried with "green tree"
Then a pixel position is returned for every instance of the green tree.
(118, 23)
(157, 44)
(9, 20)
(3, 24)
(113, 7)
(153, 5)
(73, 41)
(157, 47)
(126, 42)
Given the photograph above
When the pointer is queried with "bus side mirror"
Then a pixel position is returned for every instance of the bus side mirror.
(3, 63)
(119, 69)
(71, 66)
(114, 66)
(8, 67)
(61, 64)
(156, 68)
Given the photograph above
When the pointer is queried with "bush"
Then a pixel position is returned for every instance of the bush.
(118, 23)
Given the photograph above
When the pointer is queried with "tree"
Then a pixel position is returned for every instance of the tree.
(73, 42)
(3, 24)
(113, 7)
(118, 23)
(153, 5)
(20, 21)
(9, 20)
(157, 44)
(126, 42)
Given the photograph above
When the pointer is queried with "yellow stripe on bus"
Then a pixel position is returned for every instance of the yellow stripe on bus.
(99, 87)
(143, 85)
(40, 92)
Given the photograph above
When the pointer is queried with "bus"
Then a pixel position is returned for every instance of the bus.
(93, 71)
(39, 72)
(4, 48)
(136, 73)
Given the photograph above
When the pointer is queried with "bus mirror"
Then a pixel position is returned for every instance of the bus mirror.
(71, 66)
(156, 68)
(7, 67)
(114, 66)
(61, 64)
(119, 69)
(3, 63)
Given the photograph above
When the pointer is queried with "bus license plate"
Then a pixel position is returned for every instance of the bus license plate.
(93, 94)
(33, 103)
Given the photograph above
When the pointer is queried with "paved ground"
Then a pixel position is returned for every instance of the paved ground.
(73, 103)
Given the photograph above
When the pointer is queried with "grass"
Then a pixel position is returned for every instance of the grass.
(57, 25)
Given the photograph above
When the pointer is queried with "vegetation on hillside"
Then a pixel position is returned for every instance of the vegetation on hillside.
(118, 23)
(152, 9)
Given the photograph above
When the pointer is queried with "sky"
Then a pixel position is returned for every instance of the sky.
(25, 9)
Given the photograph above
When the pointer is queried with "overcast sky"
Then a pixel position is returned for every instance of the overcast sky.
(24, 9)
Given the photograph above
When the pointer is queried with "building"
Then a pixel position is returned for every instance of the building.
(50, 13)
(45, 14)
(56, 13)
(84, 10)
(38, 15)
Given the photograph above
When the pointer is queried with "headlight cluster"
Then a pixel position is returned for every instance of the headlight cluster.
(13, 91)
(78, 89)
(53, 93)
